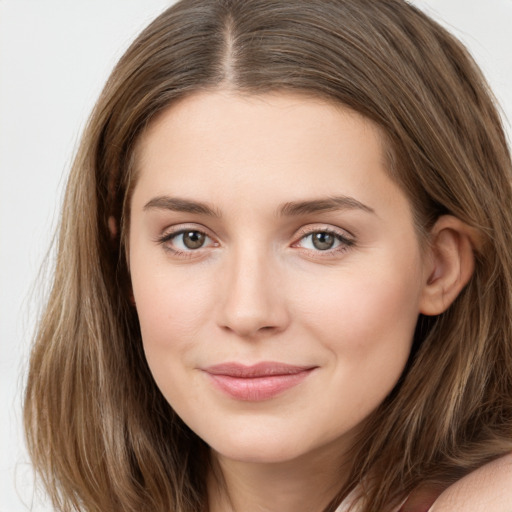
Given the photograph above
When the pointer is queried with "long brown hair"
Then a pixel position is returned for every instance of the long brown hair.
(99, 431)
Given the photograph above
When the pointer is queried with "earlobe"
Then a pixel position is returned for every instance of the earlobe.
(112, 227)
(450, 264)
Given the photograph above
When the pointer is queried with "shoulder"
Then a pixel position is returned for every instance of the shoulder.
(487, 488)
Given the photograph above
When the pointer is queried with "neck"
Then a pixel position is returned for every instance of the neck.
(306, 484)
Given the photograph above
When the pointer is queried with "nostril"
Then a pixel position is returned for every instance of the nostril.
(246, 330)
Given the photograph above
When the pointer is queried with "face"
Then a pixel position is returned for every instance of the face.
(276, 271)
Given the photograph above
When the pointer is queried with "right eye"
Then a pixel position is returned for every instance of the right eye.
(186, 241)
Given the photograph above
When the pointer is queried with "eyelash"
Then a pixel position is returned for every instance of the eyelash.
(345, 243)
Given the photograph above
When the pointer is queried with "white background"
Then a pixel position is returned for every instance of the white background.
(54, 58)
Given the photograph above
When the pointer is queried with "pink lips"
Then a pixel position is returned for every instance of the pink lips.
(258, 382)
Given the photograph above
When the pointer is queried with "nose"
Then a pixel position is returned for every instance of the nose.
(253, 297)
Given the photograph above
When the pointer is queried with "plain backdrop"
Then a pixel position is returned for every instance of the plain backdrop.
(55, 56)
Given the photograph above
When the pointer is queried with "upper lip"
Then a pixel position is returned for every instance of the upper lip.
(263, 369)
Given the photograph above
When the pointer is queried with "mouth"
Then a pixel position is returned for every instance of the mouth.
(258, 382)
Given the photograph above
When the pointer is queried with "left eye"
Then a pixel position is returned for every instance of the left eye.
(188, 240)
(322, 241)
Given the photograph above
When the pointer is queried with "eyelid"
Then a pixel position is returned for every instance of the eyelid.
(316, 228)
(180, 228)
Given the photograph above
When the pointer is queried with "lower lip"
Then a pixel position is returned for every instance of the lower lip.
(256, 389)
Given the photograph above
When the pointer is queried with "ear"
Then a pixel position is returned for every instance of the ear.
(112, 227)
(449, 264)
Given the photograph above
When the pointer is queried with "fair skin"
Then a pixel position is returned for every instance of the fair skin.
(236, 259)
(489, 488)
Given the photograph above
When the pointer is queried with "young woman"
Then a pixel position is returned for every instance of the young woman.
(284, 277)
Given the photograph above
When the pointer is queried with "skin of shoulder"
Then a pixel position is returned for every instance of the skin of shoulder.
(489, 488)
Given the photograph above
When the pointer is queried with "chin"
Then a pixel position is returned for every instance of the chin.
(256, 447)
(269, 454)
(266, 447)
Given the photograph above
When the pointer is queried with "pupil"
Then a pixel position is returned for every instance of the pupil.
(323, 241)
(193, 239)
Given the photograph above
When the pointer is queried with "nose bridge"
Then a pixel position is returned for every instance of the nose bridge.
(253, 300)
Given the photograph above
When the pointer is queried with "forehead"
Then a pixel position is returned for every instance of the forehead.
(220, 145)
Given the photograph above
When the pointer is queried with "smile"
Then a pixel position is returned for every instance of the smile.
(255, 383)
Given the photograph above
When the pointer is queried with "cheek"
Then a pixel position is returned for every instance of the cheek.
(172, 308)
(172, 311)
(366, 318)
(366, 326)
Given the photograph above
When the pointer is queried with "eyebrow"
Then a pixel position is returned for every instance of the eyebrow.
(296, 208)
(290, 209)
(177, 204)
